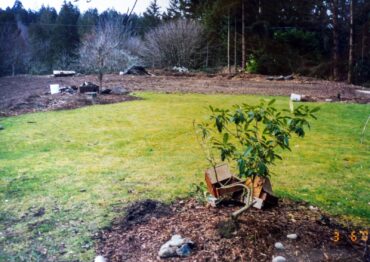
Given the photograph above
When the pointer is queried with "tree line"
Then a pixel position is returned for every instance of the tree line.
(320, 38)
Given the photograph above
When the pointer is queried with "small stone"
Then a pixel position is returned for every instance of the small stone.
(279, 245)
(100, 259)
(292, 236)
(1, 127)
(313, 208)
(278, 259)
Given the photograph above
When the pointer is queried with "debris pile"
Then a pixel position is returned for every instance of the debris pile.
(69, 89)
(62, 73)
(88, 87)
(280, 78)
(180, 69)
(136, 70)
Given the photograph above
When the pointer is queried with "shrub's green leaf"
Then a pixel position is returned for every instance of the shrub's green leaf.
(226, 138)
(314, 110)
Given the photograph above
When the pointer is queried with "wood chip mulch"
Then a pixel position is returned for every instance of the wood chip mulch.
(147, 225)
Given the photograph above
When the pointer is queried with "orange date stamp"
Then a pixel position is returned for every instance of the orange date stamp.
(355, 235)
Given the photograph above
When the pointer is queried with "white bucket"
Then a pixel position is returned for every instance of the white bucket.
(54, 89)
(295, 97)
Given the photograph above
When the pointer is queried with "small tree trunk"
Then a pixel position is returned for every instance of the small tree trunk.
(243, 37)
(335, 40)
(13, 69)
(228, 43)
(351, 47)
(100, 76)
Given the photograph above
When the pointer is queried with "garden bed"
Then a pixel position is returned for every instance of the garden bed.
(139, 235)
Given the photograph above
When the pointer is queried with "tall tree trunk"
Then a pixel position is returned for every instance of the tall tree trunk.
(363, 44)
(243, 37)
(335, 40)
(351, 45)
(207, 51)
(235, 64)
(228, 43)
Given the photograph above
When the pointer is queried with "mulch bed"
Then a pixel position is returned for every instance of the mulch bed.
(147, 225)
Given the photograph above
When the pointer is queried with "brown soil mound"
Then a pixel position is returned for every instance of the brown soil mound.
(47, 102)
(252, 238)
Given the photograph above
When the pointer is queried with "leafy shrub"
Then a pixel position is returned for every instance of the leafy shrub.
(249, 136)
(273, 64)
(252, 65)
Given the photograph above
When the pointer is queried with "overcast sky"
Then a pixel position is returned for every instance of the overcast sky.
(83, 5)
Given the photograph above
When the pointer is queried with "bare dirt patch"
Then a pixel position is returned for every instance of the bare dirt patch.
(22, 94)
(252, 239)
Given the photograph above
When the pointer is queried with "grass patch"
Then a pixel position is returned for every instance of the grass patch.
(80, 164)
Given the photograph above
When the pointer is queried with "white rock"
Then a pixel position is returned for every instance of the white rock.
(169, 248)
(278, 259)
(292, 236)
(313, 208)
(167, 251)
(100, 259)
(172, 247)
(279, 245)
(176, 240)
(121, 73)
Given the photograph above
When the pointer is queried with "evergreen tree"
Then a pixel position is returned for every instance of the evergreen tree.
(173, 11)
(65, 36)
(87, 21)
(42, 51)
(152, 16)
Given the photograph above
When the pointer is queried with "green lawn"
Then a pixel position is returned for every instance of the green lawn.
(81, 164)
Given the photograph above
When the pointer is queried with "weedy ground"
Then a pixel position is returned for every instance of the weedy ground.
(64, 174)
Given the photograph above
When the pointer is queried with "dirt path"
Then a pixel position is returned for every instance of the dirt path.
(22, 94)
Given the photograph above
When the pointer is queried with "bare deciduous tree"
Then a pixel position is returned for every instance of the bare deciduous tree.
(176, 43)
(103, 50)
